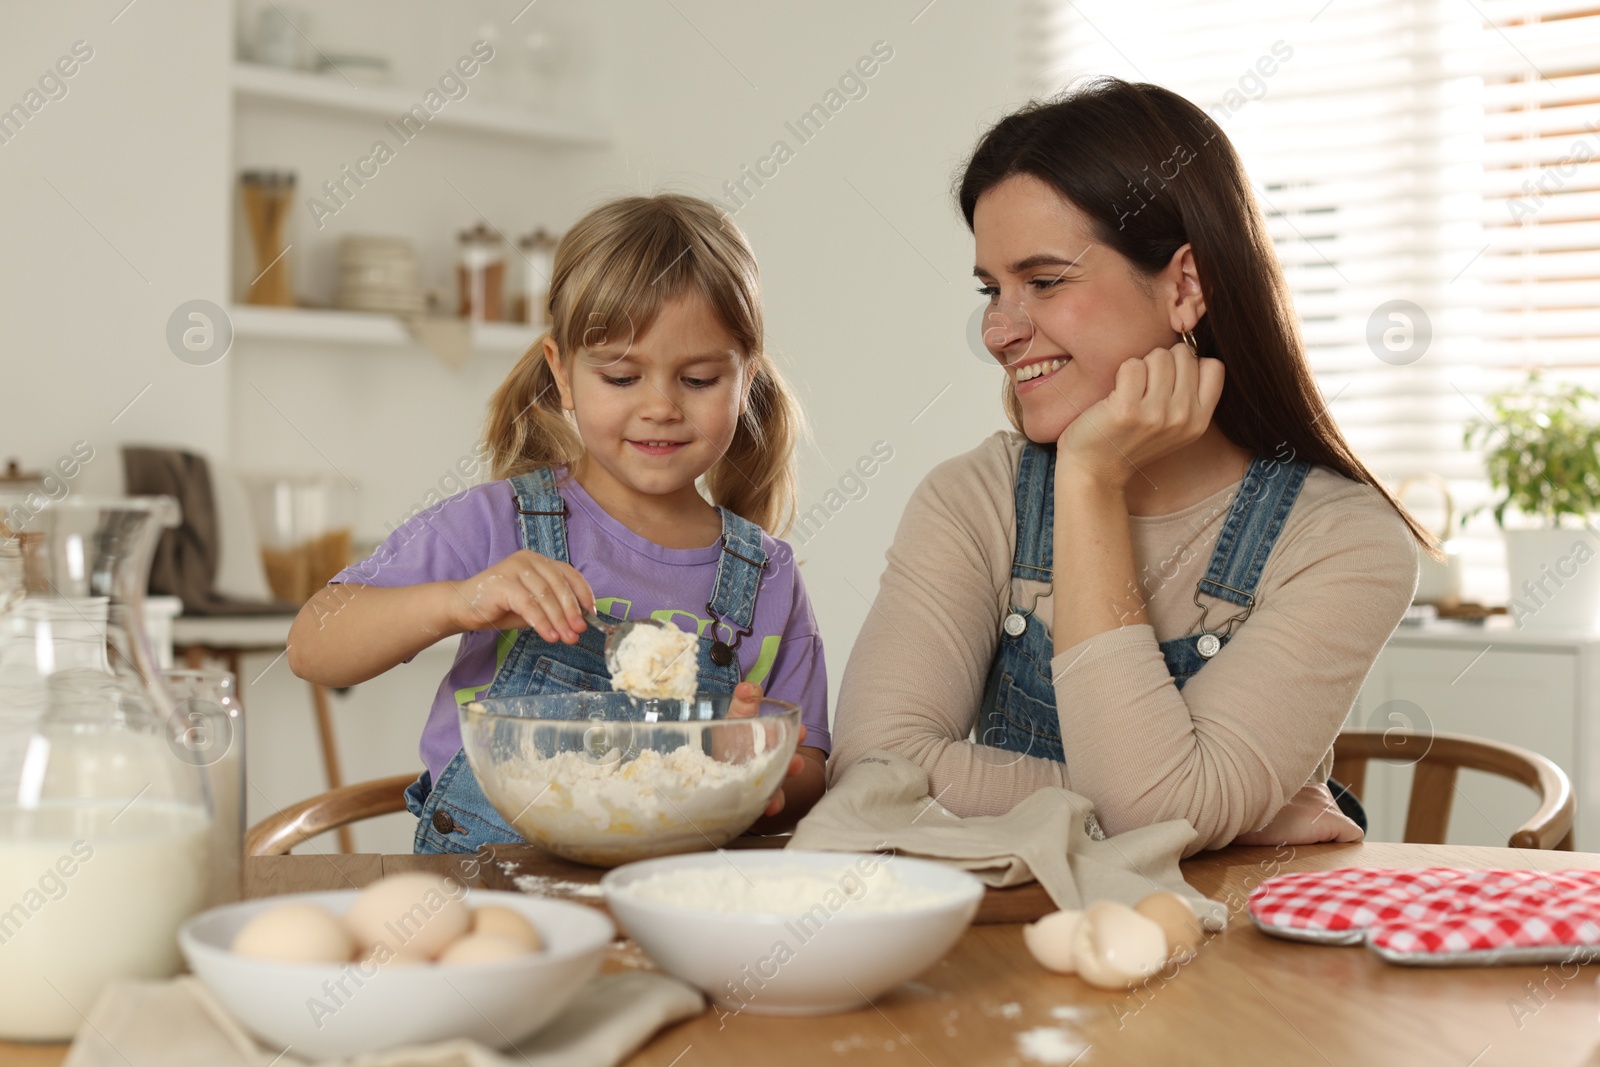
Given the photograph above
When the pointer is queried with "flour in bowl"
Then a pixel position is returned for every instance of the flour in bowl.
(656, 663)
(606, 808)
(782, 890)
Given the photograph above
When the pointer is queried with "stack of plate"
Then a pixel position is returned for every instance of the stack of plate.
(379, 274)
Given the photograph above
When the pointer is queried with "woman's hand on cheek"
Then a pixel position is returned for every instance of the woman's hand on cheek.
(1160, 403)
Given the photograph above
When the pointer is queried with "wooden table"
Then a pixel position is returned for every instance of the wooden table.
(1247, 999)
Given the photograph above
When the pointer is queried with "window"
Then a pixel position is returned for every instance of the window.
(1444, 154)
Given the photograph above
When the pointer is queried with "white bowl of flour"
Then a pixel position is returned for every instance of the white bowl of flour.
(605, 779)
(786, 932)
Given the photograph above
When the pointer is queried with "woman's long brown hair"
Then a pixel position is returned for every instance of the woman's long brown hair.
(613, 272)
(1153, 172)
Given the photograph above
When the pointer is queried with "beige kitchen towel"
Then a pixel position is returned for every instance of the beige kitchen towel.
(881, 803)
(447, 337)
(178, 1024)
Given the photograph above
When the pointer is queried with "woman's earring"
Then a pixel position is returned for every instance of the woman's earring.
(1188, 339)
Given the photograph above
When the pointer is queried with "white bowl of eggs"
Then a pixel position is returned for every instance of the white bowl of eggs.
(409, 960)
(793, 932)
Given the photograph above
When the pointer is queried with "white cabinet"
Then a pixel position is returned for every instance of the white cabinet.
(1537, 690)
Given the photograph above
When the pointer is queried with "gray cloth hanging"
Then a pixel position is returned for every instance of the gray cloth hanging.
(186, 560)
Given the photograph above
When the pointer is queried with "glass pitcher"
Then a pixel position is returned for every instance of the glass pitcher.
(104, 824)
(213, 739)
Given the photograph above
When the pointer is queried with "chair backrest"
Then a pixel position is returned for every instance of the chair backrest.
(277, 834)
(1438, 758)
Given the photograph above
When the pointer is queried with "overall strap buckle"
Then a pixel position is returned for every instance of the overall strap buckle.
(733, 598)
(1248, 600)
(541, 513)
(1032, 559)
(1245, 542)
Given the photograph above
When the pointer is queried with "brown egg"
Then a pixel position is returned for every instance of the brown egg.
(295, 933)
(1178, 921)
(507, 923)
(1050, 940)
(1115, 947)
(414, 915)
(481, 948)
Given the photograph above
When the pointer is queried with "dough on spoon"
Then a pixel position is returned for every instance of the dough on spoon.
(657, 663)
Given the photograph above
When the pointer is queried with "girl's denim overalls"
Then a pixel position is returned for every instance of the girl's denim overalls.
(1019, 703)
(452, 813)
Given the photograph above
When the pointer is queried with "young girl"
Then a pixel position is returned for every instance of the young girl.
(652, 376)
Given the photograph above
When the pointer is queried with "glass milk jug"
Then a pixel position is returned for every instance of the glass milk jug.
(104, 824)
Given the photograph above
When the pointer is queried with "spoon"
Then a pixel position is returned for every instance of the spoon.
(615, 632)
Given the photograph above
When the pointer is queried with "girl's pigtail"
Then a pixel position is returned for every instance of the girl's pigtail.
(527, 427)
(756, 477)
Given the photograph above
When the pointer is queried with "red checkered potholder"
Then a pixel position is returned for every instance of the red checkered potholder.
(1437, 915)
(1337, 907)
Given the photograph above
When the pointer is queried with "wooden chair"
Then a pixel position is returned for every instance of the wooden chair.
(1433, 785)
(277, 834)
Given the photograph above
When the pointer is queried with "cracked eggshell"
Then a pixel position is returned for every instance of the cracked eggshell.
(1050, 940)
(415, 915)
(1178, 921)
(1115, 947)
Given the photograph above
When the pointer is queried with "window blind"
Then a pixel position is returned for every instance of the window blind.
(1445, 154)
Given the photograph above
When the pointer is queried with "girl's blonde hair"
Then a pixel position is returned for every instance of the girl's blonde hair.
(613, 272)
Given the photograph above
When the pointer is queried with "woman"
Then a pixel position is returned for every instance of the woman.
(1165, 591)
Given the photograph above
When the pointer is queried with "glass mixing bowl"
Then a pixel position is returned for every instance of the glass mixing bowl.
(604, 779)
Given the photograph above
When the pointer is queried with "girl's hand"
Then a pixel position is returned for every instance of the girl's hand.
(524, 590)
(746, 703)
(1161, 403)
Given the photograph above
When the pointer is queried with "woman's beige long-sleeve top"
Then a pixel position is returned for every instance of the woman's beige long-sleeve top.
(1225, 753)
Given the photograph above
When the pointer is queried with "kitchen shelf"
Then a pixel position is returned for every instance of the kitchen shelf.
(255, 82)
(361, 328)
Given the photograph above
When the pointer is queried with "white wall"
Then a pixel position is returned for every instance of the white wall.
(865, 261)
(392, 420)
(114, 209)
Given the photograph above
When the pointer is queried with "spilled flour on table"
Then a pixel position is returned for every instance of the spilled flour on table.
(1050, 1044)
(543, 886)
(856, 1042)
(628, 954)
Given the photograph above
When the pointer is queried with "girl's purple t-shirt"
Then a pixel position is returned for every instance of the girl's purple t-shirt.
(632, 578)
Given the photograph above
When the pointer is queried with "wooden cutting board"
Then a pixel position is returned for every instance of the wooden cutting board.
(529, 869)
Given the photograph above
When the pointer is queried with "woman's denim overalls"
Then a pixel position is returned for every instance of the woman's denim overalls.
(1019, 702)
(454, 816)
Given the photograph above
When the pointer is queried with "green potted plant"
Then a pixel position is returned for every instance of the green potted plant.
(1542, 455)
